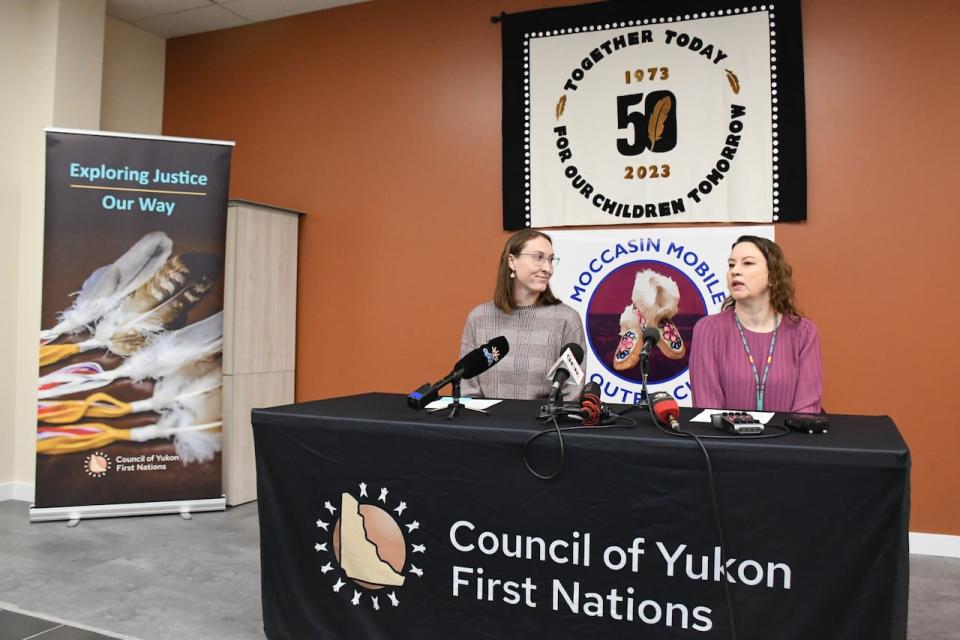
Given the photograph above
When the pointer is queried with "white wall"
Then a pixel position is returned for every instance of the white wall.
(15, 18)
(133, 68)
(79, 72)
(51, 66)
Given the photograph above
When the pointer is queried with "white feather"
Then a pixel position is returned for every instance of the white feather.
(164, 354)
(197, 446)
(193, 443)
(181, 385)
(193, 409)
(184, 422)
(106, 287)
(121, 319)
(167, 352)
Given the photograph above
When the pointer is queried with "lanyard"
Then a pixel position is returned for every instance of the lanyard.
(760, 383)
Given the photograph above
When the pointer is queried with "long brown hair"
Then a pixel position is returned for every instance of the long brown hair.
(503, 293)
(780, 277)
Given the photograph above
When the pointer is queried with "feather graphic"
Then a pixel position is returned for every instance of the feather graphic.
(193, 420)
(97, 405)
(733, 80)
(164, 354)
(181, 389)
(177, 388)
(161, 302)
(93, 435)
(194, 445)
(198, 443)
(108, 285)
(561, 105)
(657, 119)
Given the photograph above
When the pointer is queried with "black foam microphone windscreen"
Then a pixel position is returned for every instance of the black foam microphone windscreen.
(575, 349)
(651, 336)
(483, 357)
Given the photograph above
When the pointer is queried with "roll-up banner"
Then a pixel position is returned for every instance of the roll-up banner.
(622, 281)
(129, 409)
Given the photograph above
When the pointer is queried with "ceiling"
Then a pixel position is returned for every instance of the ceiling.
(172, 18)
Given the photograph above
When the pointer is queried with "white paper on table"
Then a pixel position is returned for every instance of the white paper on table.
(477, 404)
(763, 417)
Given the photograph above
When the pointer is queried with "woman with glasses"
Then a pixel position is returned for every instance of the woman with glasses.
(535, 323)
(758, 353)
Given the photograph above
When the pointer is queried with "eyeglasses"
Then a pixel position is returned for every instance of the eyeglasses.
(539, 259)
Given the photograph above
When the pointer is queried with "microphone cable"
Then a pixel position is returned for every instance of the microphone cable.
(716, 512)
(644, 371)
(680, 433)
(628, 423)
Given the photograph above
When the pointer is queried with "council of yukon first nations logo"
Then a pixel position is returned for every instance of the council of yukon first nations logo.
(97, 464)
(365, 543)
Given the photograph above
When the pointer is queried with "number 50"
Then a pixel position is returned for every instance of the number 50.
(655, 128)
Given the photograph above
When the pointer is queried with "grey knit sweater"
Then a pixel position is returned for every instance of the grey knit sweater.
(535, 335)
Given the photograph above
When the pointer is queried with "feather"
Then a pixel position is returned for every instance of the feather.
(561, 105)
(179, 387)
(167, 352)
(108, 285)
(733, 80)
(161, 302)
(196, 408)
(197, 446)
(657, 119)
(194, 445)
(164, 354)
(168, 391)
(200, 441)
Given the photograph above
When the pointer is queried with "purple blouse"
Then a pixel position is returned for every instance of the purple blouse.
(721, 376)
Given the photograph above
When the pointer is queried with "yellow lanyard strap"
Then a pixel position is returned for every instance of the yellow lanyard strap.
(50, 353)
(92, 435)
(97, 405)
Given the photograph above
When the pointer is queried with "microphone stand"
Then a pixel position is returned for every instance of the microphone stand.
(645, 402)
(456, 405)
(644, 373)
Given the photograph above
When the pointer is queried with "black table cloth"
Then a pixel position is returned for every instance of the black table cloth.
(448, 535)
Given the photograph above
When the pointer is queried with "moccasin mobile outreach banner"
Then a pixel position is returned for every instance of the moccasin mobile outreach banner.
(622, 281)
(130, 391)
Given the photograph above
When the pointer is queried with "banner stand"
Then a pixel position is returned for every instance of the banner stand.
(130, 349)
(75, 514)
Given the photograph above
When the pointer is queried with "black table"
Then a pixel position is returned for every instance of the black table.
(622, 544)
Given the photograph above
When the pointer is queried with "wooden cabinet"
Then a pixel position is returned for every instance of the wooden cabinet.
(259, 333)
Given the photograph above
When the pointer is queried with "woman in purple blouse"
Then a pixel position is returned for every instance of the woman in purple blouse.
(758, 353)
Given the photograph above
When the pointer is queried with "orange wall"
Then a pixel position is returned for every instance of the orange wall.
(382, 122)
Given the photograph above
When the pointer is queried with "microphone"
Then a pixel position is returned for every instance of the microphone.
(566, 366)
(470, 365)
(665, 409)
(590, 406)
(651, 336)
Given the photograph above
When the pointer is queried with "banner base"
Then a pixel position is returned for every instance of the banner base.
(75, 514)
